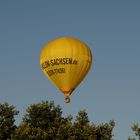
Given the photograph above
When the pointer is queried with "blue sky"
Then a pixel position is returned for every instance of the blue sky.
(111, 89)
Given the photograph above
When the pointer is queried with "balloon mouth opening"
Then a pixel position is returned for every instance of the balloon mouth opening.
(67, 91)
(67, 99)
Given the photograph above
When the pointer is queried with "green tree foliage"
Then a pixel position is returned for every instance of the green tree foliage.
(104, 131)
(136, 130)
(44, 121)
(7, 120)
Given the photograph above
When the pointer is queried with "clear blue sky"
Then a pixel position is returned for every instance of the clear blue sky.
(110, 28)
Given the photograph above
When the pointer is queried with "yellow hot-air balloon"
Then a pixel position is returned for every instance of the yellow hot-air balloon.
(66, 61)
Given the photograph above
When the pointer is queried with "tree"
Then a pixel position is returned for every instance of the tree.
(42, 121)
(7, 127)
(104, 131)
(45, 121)
(136, 130)
(81, 128)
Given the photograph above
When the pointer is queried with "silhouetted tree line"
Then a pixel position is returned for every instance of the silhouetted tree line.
(44, 121)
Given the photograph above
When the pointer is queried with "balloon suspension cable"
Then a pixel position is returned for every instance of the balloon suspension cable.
(67, 99)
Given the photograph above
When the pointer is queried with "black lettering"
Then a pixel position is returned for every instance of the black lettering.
(56, 71)
(44, 65)
(55, 61)
(58, 61)
(70, 60)
(50, 72)
(67, 60)
(51, 61)
(75, 62)
(64, 61)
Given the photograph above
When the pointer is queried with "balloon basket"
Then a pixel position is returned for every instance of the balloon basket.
(67, 100)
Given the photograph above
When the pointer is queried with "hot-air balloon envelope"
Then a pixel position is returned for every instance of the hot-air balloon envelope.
(66, 61)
